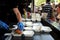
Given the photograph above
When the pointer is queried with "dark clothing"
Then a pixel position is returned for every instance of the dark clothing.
(21, 6)
(2, 32)
(6, 13)
(47, 9)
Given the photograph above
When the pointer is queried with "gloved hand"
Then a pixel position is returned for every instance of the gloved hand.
(20, 26)
(3, 25)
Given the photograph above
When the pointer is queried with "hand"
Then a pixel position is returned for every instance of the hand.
(3, 25)
(20, 26)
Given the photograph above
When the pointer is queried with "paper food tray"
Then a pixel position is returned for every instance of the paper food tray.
(28, 33)
(14, 34)
(37, 28)
(28, 23)
(37, 24)
(28, 19)
(28, 28)
(38, 17)
(46, 29)
(33, 17)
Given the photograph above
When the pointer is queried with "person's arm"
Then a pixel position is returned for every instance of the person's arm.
(18, 14)
(19, 18)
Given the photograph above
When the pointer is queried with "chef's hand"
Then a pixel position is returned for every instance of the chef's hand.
(20, 26)
(3, 25)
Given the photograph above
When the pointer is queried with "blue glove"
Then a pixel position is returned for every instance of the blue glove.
(3, 25)
(20, 26)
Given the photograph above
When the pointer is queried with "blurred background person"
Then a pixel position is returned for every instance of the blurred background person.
(40, 8)
(58, 12)
(58, 9)
(47, 8)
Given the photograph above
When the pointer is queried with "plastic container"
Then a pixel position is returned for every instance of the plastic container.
(28, 33)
